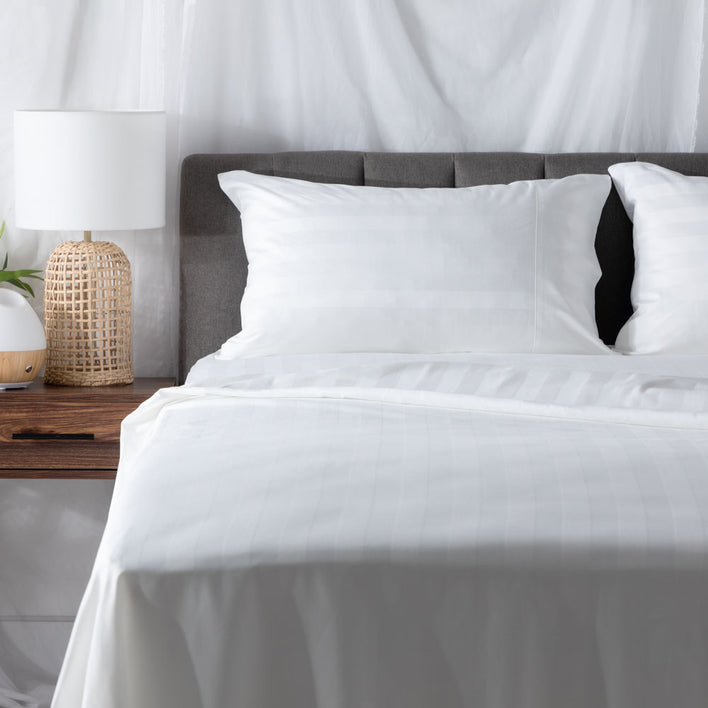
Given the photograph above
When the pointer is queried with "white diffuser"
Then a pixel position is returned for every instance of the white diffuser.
(22, 342)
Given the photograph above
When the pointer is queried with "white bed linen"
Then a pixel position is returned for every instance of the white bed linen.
(406, 531)
(345, 268)
(669, 212)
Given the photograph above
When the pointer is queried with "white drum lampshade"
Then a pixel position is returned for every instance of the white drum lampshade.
(89, 171)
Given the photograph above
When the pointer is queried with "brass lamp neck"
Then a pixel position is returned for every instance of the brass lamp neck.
(87, 236)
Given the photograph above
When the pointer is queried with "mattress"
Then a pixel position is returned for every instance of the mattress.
(387, 530)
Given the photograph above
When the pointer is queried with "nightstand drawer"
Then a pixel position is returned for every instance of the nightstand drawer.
(70, 429)
(54, 434)
(59, 454)
(43, 419)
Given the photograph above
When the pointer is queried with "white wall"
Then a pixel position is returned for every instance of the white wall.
(49, 533)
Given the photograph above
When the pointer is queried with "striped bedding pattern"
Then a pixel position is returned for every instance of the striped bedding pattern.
(458, 531)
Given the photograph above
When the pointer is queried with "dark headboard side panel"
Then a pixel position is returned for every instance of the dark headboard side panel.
(213, 264)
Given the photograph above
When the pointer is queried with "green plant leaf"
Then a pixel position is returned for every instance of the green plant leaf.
(14, 277)
(22, 286)
(11, 277)
(27, 273)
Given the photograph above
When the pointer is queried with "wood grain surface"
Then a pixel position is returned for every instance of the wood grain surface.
(14, 365)
(67, 431)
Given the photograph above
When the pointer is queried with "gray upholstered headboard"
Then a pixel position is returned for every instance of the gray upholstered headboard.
(213, 263)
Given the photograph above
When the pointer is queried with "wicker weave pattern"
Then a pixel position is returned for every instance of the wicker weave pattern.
(87, 307)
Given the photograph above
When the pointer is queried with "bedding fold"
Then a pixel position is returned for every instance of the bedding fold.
(538, 390)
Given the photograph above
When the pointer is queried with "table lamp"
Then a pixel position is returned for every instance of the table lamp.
(89, 171)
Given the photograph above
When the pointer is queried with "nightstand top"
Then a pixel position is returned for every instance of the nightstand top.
(141, 387)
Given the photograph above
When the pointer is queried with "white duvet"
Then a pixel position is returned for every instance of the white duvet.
(380, 531)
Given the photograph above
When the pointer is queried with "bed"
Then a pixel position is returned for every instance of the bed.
(348, 529)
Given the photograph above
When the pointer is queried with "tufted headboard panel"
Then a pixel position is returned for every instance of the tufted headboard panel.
(213, 263)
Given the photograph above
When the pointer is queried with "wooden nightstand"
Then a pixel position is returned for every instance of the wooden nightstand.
(67, 431)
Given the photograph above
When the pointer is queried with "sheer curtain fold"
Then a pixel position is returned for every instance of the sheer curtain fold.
(537, 75)
(246, 75)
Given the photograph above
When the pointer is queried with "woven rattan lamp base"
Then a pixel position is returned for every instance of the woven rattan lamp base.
(87, 310)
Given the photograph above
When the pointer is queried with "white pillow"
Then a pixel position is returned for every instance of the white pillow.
(337, 268)
(670, 288)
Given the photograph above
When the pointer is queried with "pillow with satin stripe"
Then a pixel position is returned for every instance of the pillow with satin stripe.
(669, 212)
(493, 268)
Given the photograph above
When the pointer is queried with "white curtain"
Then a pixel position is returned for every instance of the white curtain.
(248, 75)
(535, 75)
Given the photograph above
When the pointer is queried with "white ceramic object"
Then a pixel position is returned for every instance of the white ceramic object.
(22, 341)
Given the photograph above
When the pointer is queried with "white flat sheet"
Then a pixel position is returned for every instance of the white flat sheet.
(355, 530)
